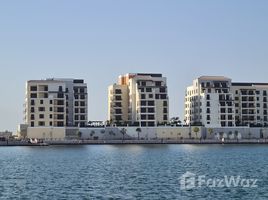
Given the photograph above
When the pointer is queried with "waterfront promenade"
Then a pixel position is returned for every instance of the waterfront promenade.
(134, 142)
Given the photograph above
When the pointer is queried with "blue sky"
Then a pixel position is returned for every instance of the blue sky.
(99, 40)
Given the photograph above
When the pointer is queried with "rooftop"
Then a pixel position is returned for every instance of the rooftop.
(214, 78)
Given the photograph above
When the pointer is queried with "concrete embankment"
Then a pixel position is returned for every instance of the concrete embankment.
(134, 142)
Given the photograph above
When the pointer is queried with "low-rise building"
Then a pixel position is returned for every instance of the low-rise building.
(216, 101)
(56, 103)
(140, 99)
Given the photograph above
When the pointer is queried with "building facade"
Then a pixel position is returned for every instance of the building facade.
(56, 103)
(216, 101)
(140, 99)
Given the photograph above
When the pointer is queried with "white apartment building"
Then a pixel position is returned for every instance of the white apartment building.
(140, 99)
(250, 103)
(214, 101)
(56, 103)
(209, 102)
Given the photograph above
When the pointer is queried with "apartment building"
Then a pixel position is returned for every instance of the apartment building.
(216, 101)
(56, 103)
(140, 99)
(250, 101)
(209, 102)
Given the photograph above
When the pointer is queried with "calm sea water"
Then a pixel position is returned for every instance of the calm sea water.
(129, 172)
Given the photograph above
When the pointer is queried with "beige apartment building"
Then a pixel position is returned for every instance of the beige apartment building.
(56, 103)
(216, 101)
(140, 99)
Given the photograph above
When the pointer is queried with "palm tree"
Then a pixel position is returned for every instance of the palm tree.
(79, 134)
(196, 130)
(236, 135)
(221, 135)
(249, 135)
(261, 133)
(210, 131)
(178, 134)
(111, 133)
(229, 134)
(123, 132)
(138, 130)
(92, 133)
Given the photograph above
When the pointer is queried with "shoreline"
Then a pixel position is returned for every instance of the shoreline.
(135, 142)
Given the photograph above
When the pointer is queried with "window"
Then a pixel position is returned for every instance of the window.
(41, 101)
(208, 97)
(150, 103)
(32, 124)
(82, 97)
(41, 123)
(118, 91)
(158, 83)
(151, 124)
(60, 95)
(143, 103)
(150, 110)
(163, 96)
(60, 117)
(50, 109)
(82, 103)
(143, 117)
(142, 96)
(32, 103)
(51, 101)
(60, 102)
(33, 88)
(164, 103)
(50, 124)
(143, 110)
(117, 104)
(32, 109)
(148, 89)
(76, 103)
(33, 95)
(82, 117)
(165, 117)
(32, 117)
(60, 124)
(151, 117)
(50, 116)
(118, 98)
(41, 109)
(165, 110)
(151, 96)
(162, 90)
(60, 109)
(41, 116)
